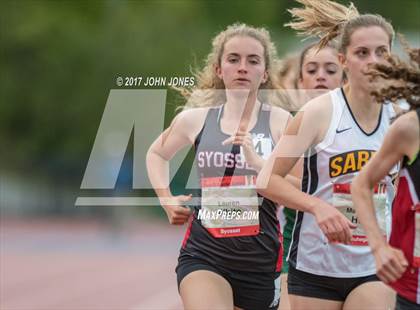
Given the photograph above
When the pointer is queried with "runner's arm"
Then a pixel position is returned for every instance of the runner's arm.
(279, 119)
(178, 135)
(303, 132)
(375, 170)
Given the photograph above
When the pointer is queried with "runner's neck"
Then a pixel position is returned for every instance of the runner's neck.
(364, 108)
(242, 109)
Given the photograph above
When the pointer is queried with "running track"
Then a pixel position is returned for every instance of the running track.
(71, 265)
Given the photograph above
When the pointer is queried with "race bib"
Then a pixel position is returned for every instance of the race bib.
(343, 202)
(416, 252)
(262, 145)
(229, 206)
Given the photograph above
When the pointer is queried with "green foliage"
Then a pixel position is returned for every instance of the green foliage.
(59, 60)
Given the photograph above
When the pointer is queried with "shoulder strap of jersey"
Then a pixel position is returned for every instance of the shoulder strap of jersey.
(337, 109)
(211, 121)
(263, 121)
(410, 162)
(407, 161)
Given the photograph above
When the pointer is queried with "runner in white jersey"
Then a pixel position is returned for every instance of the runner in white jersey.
(330, 265)
(329, 168)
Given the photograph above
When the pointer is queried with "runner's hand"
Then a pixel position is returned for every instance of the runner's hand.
(244, 139)
(390, 263)
(174, 207)
(335, 226)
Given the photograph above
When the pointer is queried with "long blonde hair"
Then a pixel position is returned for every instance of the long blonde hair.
(328, 20)
(208, 91)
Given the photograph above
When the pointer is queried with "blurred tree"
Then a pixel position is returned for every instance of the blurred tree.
(60, 59)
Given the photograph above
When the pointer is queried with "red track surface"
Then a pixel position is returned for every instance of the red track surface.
(72, 265)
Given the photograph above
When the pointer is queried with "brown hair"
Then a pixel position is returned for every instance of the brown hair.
(288, 72)
(329, 20)
(288, 69)
(403, 77)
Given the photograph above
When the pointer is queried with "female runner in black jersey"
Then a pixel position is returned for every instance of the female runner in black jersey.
(231, 254)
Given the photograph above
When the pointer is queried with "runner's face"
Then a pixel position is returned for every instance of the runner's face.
(368, 46)
(321, 70)
(242, 65)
